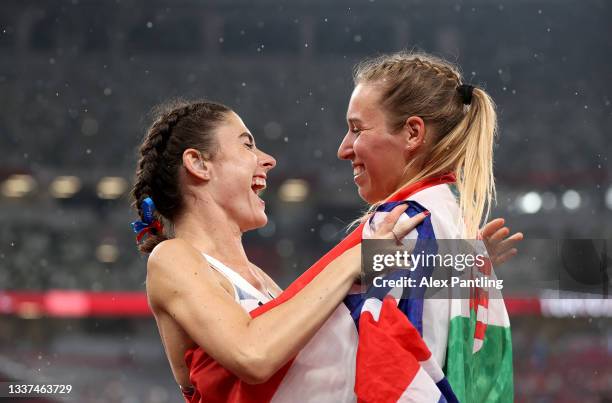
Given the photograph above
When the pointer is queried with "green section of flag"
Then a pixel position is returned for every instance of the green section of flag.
(485, 376)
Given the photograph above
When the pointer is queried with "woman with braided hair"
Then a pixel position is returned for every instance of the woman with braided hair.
(197, 182)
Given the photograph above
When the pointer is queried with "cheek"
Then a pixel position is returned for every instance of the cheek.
(234, 180)
(364, 149)
(379, 156)
(385, 165)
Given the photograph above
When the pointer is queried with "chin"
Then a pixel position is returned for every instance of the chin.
(262, 222)
(258, 222)
(366, 196)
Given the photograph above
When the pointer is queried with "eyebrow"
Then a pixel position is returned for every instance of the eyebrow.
(354, 120)
(248, 135)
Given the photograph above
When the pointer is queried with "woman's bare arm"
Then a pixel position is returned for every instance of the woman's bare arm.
(180, 283)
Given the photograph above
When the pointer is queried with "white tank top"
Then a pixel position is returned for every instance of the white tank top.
(245, 293)
(324, 370)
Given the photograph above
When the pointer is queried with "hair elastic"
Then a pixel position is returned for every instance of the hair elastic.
(148, 223)
(466, 90)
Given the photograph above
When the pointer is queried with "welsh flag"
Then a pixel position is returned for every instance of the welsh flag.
(377, 348)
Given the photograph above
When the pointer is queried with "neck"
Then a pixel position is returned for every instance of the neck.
(408, 190)
(210, 230)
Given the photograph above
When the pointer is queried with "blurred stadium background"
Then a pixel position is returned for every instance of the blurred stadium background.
(78, 78)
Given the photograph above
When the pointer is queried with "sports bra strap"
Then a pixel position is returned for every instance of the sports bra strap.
(236, 279)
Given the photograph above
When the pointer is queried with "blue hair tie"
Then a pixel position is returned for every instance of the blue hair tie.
(148, 208)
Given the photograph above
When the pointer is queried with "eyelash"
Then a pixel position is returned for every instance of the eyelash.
(249, 145)
(356, 131)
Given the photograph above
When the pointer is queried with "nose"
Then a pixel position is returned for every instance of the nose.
(345, 151)
(266, 160)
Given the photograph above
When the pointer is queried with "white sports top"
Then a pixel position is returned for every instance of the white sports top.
(245, 293)
(324, 370)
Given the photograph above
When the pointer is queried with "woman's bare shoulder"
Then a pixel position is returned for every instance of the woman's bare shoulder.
(175, 265)
(171, 252)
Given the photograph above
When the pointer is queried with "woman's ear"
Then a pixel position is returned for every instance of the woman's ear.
(414, 133)
(195, 164)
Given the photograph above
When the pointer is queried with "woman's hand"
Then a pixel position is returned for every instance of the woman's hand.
(393, 228)
(500, 246)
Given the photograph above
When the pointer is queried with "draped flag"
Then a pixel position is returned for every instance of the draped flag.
(377, 348)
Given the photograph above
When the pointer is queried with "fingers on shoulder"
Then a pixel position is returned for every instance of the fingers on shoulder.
(406, 224)
(397, 212)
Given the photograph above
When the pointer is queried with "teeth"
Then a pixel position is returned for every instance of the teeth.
(357, 170)
(259, 182)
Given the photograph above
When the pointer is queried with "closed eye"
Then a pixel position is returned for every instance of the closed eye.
(358, 130)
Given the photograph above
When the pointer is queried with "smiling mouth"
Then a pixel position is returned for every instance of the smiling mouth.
(258, 185)
(358, 170)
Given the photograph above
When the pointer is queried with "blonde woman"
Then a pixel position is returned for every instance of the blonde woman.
(411, 118)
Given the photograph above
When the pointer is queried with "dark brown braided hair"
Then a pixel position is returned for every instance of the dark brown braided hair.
(177, 126)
